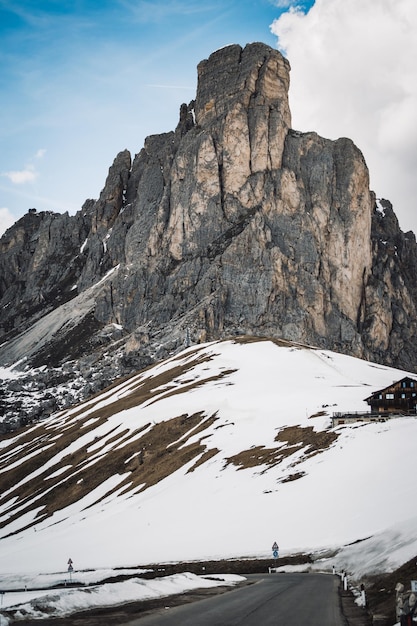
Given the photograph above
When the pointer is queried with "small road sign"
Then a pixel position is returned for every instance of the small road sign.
(275, 546)
(70, 568)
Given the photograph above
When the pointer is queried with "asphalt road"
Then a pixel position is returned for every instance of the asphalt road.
(273, 600)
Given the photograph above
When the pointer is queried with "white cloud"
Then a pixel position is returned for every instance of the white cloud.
(27, 175)
(7, 219)
(20, 177)
(354, 74)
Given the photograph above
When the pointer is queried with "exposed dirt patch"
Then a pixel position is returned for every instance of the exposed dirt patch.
(147, 454)
(291, 477)
(256, 456)
(307, 436)
(318, 414)
(175, 389)
(296, 438)
(161, 450)
(164, 449)
(204, 457)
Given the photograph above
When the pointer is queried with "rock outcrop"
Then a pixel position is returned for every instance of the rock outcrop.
(232, 224)
(390, 328)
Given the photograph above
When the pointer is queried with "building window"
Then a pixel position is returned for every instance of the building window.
(403, 395)
(411, 383)
(404, 384)
(389, 396)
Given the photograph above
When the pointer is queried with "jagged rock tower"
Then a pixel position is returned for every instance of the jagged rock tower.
(233, 224)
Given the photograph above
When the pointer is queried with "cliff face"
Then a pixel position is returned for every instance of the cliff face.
(390, 328)
(231, 224)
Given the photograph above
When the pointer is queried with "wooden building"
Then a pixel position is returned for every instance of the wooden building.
(400, 397)
(397, 400)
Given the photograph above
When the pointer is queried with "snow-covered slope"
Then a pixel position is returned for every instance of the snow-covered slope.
(216, 452)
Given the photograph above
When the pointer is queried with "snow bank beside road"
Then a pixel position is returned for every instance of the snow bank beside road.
(62, 602)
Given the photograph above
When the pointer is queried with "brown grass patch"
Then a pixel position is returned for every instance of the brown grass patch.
(291, 477)
(254, 457)
(185, 388)
(307, 436)
(159, 452)
(147, 460)
(296, 438)
(318, 414)
(204, 457)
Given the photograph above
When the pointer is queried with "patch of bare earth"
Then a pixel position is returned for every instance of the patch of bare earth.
(147, 454)
(291, 439)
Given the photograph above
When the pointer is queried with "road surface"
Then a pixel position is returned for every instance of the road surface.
(273, 600)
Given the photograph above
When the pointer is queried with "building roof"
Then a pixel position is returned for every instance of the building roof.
(390, 387)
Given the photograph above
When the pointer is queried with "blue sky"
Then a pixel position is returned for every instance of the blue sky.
(82, 80)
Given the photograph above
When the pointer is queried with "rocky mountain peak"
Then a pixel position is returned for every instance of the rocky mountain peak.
(232, 224)
(108, 206)
(232, 79)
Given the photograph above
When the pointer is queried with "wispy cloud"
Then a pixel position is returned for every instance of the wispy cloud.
(28, 174)
(284, 4)
(20, 177)
(48, 16)
(300, 5)
(32, 17)
(159, 10)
